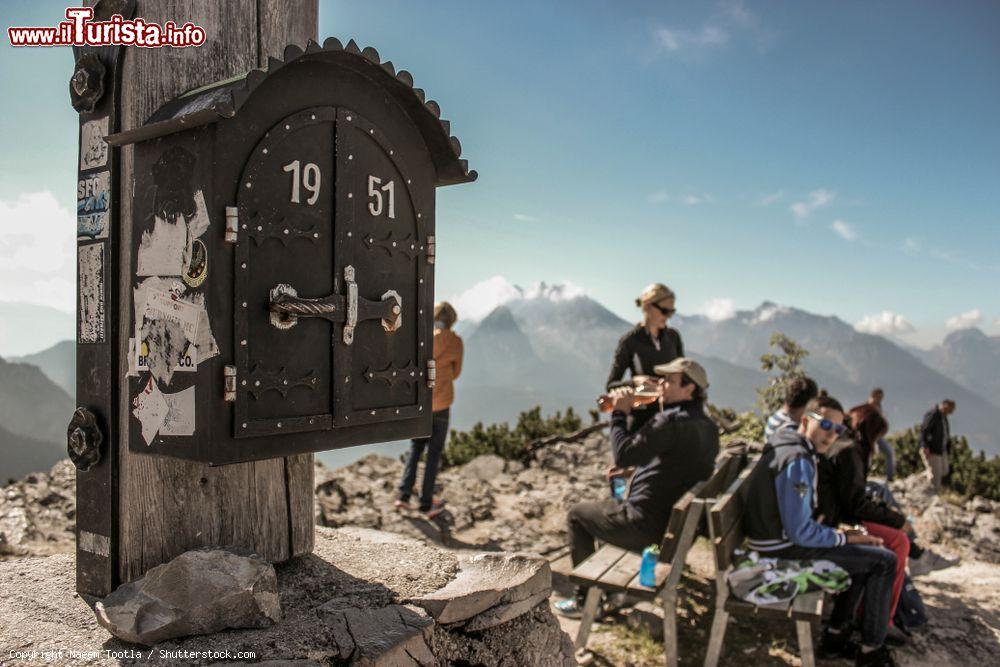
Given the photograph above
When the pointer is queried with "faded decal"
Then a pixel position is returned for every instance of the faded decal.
(99, 545)
(198, 223)
(151, 409)
(90, 262)
(187, 364)
(93, 206)
(93, 148)
(161, 253)
(196, 269)
(180, 413)
(168, 329)
(175, 196)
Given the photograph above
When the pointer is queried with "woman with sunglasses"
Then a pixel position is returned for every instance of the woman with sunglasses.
(843, 497)
(648, 344)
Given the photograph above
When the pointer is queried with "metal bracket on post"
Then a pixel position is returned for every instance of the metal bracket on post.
(352, 305)
(431, 249)
(232, 224)
(431, 373)
(229, 384)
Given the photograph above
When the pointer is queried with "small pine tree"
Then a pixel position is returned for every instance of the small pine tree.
(504, 441)
(787, 362)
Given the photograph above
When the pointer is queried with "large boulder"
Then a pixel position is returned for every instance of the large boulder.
(197, 593)
(490, 589)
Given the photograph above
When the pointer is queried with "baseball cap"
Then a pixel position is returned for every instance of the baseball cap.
(690, 367)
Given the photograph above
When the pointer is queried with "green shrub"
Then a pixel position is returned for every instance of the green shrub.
(504, 441)
(971, 474)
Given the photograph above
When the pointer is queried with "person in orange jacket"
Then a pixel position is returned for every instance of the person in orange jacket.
(448, 351)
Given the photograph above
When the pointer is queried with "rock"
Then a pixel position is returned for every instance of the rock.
(393, 635)
(485, 467)
(648, 616)
(489, 582)
(196, 593)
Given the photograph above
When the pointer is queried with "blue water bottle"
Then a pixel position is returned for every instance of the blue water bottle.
(618, 486)
(647, 570)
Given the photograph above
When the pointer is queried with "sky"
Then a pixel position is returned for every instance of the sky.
(840, 157)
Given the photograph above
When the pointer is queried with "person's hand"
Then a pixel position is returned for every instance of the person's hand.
(615, 471)
(854, 537)
(622, 399)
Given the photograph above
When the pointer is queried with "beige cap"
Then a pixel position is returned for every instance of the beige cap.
(653, 293)
(690, 367)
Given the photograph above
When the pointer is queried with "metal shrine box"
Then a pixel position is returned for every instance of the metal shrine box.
(282, 260)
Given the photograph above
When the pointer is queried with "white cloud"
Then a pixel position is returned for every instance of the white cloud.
(38, 251)
(884, 323)
(815, 200)
(478, 301)
(658, 197)
(521, 217)
(965, 320)
(695, 200)
(844, 230)
(673, 40)
(767, 200)
(565, 291)
(719, 309)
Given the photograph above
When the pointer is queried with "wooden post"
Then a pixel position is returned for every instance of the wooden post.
(167, 506)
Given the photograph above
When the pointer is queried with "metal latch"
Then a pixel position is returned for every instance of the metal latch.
(352, 305)
(431, 249)
(229, 383)
(431, 373)
(232, 224)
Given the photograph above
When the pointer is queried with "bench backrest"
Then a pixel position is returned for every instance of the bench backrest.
(726, 518)
(725, 471)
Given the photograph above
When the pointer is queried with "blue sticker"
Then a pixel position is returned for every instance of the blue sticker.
(93, 206)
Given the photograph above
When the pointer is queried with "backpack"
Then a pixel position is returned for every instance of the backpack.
(910, 612)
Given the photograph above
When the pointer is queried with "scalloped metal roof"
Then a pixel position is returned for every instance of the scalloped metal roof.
(223, 99)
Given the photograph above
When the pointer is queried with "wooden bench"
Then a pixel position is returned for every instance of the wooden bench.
(726, 530)
(616, 570)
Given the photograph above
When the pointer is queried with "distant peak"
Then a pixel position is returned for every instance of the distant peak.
(560, 292)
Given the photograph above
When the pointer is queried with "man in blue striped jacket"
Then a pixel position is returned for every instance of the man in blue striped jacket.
(779, 523)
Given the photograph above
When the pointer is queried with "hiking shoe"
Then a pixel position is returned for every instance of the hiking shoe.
(570, 608)
(880, 657)
(837, 645)
(895, 638)
(434, 510)
(403, 505)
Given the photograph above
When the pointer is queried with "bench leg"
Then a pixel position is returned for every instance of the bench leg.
(589, 613)
(668, 597)
(718, 635)
(804, 630)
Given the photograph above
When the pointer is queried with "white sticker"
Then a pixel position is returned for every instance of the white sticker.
(93, 543)
(140, 361)
(162, 252)
(93, 206)
(93, 148)
(150, 408)
(199, 222)
(180, 413)
(163, 305)
(90, 261)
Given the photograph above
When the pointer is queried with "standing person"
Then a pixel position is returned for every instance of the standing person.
(674, 451)
(779, 523)
(646, 345)
(448, 351)
(935, 442)
(798, 393)
(884, 446)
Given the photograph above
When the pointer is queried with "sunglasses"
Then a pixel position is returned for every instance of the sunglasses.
(828, 425)
(666, 311)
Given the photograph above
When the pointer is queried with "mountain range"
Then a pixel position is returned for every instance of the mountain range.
(552, 346)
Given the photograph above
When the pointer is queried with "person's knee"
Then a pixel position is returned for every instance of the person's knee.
(887, 560)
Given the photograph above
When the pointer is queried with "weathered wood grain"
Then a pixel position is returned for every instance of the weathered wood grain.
(167, 505)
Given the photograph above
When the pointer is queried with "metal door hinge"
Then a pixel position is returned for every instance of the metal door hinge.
(431, 373)
(229, 383)
(431, 249)
(232, 224)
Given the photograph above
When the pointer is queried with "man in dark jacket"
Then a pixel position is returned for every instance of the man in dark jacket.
(674, 451)
(935, 442)
(782, 501)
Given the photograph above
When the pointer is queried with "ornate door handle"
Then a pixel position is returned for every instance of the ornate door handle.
(286, 307)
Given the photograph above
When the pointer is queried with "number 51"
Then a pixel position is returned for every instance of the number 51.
(375, 192)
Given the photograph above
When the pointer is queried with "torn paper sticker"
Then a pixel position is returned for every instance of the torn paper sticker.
(151, 409)
(140, 362)
(93, 148)
(162, 253)
(90, 328)
(166, 328)
(199, 222)
(180, 413)
(93, 206)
